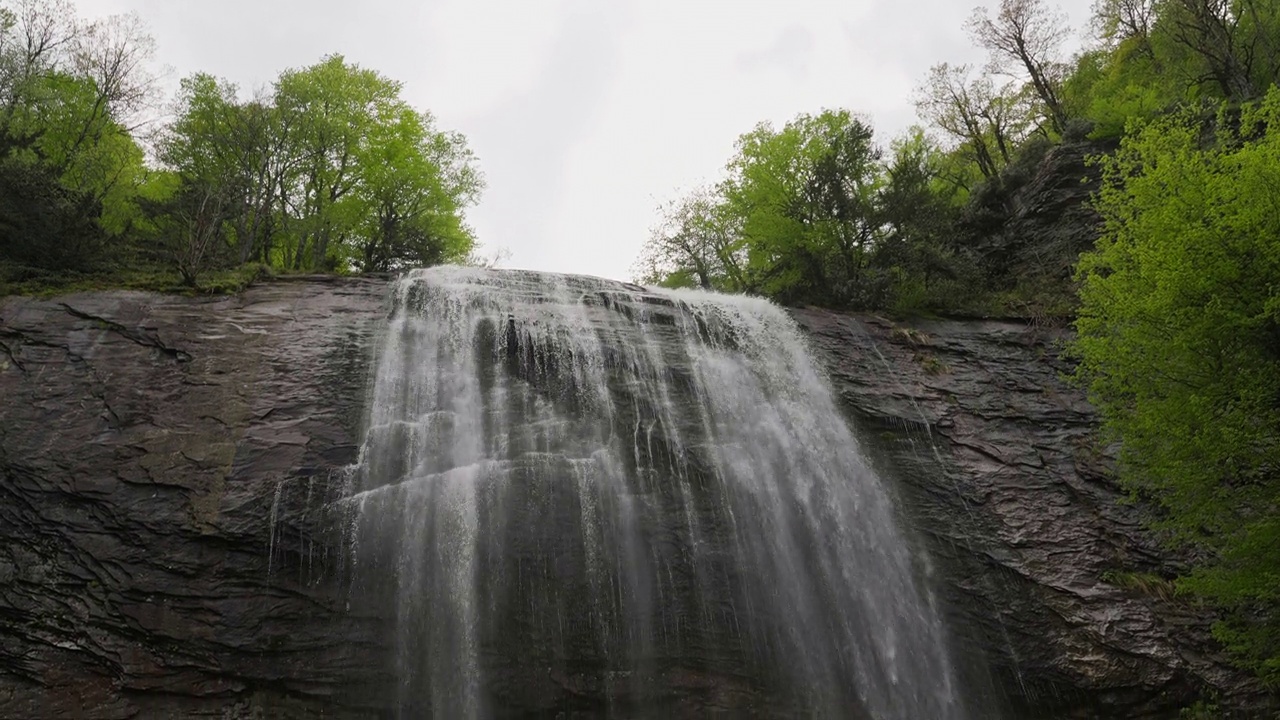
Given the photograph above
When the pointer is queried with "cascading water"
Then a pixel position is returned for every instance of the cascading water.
(580, 495)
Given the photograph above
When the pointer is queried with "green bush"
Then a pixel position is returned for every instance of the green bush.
(1179, 345)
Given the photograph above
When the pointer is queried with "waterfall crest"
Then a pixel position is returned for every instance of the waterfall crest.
(582, 495)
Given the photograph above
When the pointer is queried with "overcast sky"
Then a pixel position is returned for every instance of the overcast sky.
(586, 114)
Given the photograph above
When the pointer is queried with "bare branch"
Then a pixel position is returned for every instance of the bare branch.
(1024, 40)
(989, 121)
(114, 53)
(1115, 21)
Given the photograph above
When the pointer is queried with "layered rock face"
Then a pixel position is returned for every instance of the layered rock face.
(169, 546)
(1037, 220)
(147, 444)
(1049, 574)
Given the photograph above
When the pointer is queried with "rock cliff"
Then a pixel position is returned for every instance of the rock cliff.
(165, 464)
(147, 444)
(1049, 575)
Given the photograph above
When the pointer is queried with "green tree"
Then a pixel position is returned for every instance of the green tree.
(1025, 39)
(69, 91)
(232, 149)
(43, 225)
(983, 122)
(190, 221)
(35, 37)
(89, 149)
(1154, 55)
(1179, 344)
(1112, 88)
(697, 242)
(330, 170)
(917, 208)
(333, 170)
(806, 198)
(812, 213)
(327, 110)
(415, 183)
(1234, 42)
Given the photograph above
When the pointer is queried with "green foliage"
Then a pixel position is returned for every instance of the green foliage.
(698, 243)
(1114, 88)
(815, 213)
(805, 195)
(1222, 49)
(69, 169)
(1202, 710)
(326, 111)
(44, 225)
(1158, 55)
(330, 171)
(1179, 344)
(23, 280)
(1145, 583)
(415, 183)
(333, 171)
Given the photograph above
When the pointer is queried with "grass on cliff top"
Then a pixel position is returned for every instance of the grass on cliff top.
(1039, 301)
(16, 280)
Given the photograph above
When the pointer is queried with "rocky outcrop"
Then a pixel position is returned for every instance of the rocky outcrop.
(1029, 225)
(157, 455)
(166, 462)
(1044, 568)
(1051, 220)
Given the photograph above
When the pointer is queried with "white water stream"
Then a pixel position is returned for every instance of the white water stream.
(635, 495)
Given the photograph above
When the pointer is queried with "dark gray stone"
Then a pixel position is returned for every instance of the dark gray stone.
(146, 442)
(165, 463)
(998, 465)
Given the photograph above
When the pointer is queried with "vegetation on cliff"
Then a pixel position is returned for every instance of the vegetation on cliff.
(1178, 304)
(328, 169)
(1179, 342)
(819, 212)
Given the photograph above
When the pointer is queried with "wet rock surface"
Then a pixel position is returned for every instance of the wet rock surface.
(166, 462)
(146, 442)
(586, 495)
(1053, 586)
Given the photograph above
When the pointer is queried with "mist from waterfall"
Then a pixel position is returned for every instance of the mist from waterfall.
(583, 495)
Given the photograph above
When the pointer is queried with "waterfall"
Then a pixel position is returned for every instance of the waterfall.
(578, 495)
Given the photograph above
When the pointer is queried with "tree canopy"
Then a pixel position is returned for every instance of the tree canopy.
(327, 169)
(811, 212)
(1179, 344)
(330, 169)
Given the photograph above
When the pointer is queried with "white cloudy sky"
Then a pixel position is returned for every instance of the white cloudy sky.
(586, 114)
